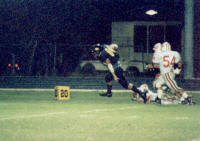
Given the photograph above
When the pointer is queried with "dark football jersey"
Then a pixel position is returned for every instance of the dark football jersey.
(113, 59)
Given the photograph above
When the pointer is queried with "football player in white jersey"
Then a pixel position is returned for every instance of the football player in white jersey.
(159, 81)
(166, 61)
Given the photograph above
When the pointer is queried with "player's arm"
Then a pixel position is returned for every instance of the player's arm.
(178, 64)
(153, 65)
(155, 62)
(111, 69)
(178, 67)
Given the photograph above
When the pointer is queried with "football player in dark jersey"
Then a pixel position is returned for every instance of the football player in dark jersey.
(109, 56)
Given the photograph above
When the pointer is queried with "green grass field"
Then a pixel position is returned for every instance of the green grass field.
(37, 116)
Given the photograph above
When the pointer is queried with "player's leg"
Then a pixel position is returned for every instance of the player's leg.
(171, 83)
(123, 82)
(170, 79)
(108, 80)
(158, 82)
(143, 95)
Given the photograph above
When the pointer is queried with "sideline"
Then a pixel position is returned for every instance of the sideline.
(74, 90)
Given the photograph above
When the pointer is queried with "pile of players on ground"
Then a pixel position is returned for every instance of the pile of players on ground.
(153, 97)
(169, 63)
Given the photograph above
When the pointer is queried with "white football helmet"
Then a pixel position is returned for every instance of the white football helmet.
(144, 87)
(166, 46)
(157, 47)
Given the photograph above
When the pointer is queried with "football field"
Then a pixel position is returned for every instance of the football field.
(30, 115)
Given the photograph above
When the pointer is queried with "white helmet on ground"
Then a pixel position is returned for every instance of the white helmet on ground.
(157, 47)
(166, 46)
(144, 87)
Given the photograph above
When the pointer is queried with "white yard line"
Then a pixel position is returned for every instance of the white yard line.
(31, 116)
(83, 114)
(108, 110)
(72, 90)
(196, 139)
(75, 90)
(59, 113)
(182, 118)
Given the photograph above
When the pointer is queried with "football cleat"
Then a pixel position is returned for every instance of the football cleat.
(135, 97)
(109, 95)
(188, 101)
(144, 96)
(158, 100)
(106, 94)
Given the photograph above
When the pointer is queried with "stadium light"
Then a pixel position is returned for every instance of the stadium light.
(151, 12)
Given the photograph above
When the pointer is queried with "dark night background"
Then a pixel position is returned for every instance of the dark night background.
(30, 29)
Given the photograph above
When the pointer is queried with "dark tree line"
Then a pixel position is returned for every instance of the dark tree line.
(29, 28)
(32, 29)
